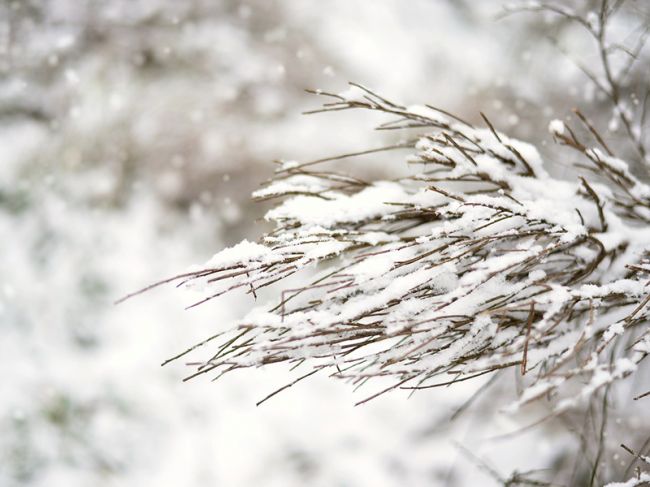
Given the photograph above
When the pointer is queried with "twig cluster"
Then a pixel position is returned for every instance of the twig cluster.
(478, 261)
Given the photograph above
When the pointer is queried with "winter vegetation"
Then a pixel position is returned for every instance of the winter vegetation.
(474, 260)
(472, 274)
(477, 262)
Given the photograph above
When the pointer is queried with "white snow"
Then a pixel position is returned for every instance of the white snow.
(557, 127)
(113, 158)
(367, 204)
(242, 253)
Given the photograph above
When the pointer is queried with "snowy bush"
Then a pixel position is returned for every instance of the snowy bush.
(475, 259)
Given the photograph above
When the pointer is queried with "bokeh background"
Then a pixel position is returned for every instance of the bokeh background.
(131, 135)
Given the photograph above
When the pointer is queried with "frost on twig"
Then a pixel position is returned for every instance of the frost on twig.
(477, 261)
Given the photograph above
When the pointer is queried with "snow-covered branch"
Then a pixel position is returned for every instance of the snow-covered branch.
(478, 260)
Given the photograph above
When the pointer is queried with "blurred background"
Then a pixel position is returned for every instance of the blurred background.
(131, 135)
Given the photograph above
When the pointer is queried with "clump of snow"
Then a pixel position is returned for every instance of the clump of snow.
(428, 113)
(370, 203)
(286, 165)
(557, 127)
(241, 254)
(613, 330)
(642, 479)
(297, 184)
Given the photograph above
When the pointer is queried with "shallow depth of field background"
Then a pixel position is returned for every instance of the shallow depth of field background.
(131, 135)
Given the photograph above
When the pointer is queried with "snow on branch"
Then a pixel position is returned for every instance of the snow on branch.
(477, 261)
